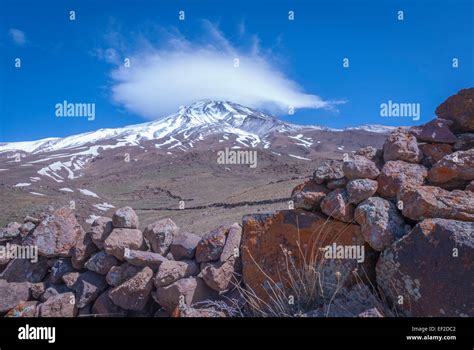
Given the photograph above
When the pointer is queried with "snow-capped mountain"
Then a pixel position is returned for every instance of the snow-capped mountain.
(188, 125)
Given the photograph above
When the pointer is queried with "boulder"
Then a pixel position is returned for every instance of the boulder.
(232, 243)
(171, 271)
(160, 235)
(453, 169)
(141, 258)
(61, 305)
(59, 269)
(396, 175)
(12, 293)
(308, 195)
(380, 222)
(184, 292)
(134, 294)
(23, 309)
(269, 239)
(360, 189)
(221, 275)
(53, 290)
(83, 250)
(401, 145)
(56, 235)
(119, 274)
(470, 187)
(370, 152)
(88, 287)
(211, 245)
(184, 246)
(339, 183)
(24, 270)
(359, 167)
(433, 152)
(10, 231)
(460, 109)
(100, 230)
(121, 238)
(125, 218)
(101, 263)
(464, 142)
(70, 278)
(433, 202)
(426, 272)
(436, 130)
(103, 306)
(336, 205)
(329, 170)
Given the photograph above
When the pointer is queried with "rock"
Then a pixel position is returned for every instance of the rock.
(453, 169)
(464, 142)
(184, 246)
(396, 175)
(88, 287)
(121, 238)
(360, 189)
(202, 312)
(100, 230)
(171, 271)
(56, 235)
(232, 243)
(370, 152)
(12, 293)
(221, 276)
(433, 152)
(101, 263)
(37, 289)
(347, 303)
(61, 305)
(125, 218)
(23, 309)
(184, 292)
(426, 272)
(460, 109)
(10, 231)
(308, 195)
(336, 205)
(103, 306)
(359, 167)
(134, 294)
(380, 222)
(119, 274)
(329, 170)
(436, 130)
(70, 278)
(160, 235)
(59, 269)
(339, 183)
(433, 202)
(211, 245)
(374, 312)
(53, 290)
(33, 220)
(26, 229)
(23, 270)
(302, 234)
(401, 145)
(141, 259)
(82, 251)
(470, 187)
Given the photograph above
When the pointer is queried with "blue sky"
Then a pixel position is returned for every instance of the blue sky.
(282, 62)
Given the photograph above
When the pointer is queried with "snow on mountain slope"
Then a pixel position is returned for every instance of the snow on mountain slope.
(191, 123)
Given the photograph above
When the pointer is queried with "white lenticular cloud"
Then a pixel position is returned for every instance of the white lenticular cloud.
(159, 81)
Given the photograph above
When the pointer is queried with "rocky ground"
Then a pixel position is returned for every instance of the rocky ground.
(400, 220)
